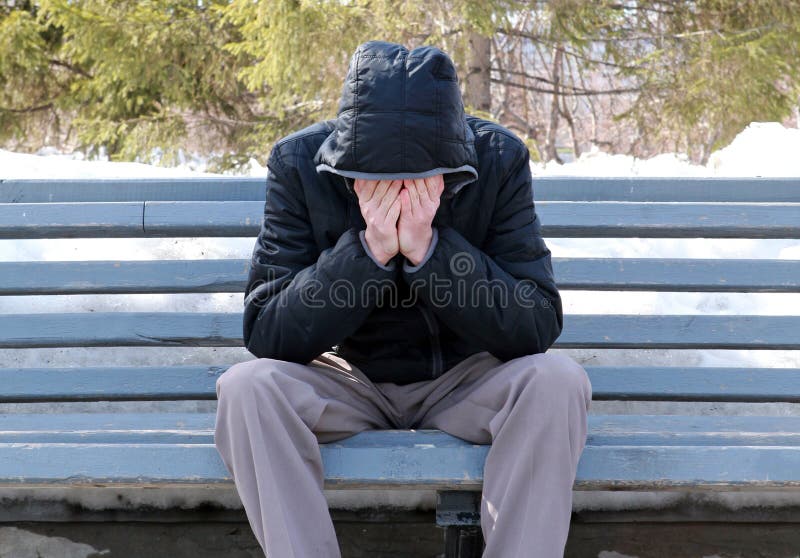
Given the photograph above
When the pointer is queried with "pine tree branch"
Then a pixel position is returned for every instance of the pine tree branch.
(28, 110)
(572, 92)
(564, 88)
(585, 58)
(70, 67)
(633, 7)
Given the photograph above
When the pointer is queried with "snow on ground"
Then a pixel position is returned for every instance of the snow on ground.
(49, 163)
(763, 149)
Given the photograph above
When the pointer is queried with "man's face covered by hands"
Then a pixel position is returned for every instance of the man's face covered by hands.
(399, 214)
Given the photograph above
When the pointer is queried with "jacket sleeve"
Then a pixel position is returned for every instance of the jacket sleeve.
(501, 296)
(299, 301)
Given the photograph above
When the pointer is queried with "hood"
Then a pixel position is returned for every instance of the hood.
(401, 115)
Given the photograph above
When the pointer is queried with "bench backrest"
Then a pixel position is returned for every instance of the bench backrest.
(568, 207)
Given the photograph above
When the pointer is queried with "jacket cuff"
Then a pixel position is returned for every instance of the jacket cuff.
(408, 268)
(390, 265)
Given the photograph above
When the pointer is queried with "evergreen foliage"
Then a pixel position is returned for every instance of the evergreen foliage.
(142, 79)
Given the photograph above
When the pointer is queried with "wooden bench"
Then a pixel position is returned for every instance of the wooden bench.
(623, 452)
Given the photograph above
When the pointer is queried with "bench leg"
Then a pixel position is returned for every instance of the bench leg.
(463, 542)
(460, 515)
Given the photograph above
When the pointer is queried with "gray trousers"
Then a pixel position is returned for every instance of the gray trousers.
(272, 415)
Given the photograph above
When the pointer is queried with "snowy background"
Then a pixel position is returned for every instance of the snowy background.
(763, 149)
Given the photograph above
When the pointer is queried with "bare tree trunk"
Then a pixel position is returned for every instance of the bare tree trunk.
(708, 146)
(478, 82)
(567, 115)
(552, 130)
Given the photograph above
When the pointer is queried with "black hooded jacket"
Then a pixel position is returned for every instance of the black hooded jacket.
(487, 282)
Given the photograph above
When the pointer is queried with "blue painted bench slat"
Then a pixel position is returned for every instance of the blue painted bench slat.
(546, 188)
(198, 428)
(109, 383)
(123, 277)
(71, 220)
(678, 274)
(135, 189)
(220, 329)
(706, 383)
(422, 460)
(680, 332)
(243, 218)
(216, 276)
(656, 189)
(181, 382)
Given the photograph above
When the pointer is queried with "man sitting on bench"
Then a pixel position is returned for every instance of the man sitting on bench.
(400, 281)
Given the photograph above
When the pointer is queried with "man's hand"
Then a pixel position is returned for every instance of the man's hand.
(380, 206)
(420, 200)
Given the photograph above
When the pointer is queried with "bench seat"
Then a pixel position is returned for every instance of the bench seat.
(637, 452)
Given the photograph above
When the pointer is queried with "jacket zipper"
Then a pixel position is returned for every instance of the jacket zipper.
(430, 320)
(436, 348)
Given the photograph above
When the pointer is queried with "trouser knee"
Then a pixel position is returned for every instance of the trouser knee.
(557, 375)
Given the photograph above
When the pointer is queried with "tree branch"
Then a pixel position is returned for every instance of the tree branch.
(28, 110)
(70, 67)
(561, 86)
(575, 92)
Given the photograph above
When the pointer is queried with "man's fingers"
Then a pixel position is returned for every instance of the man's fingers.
(365, 188)
(405, 199)
(375, 193)
(393, 190)
(381, 189)
(432, 187)
(394, 210)
(424, 196)
(413, 193)
(398, 183)
(422, 190)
